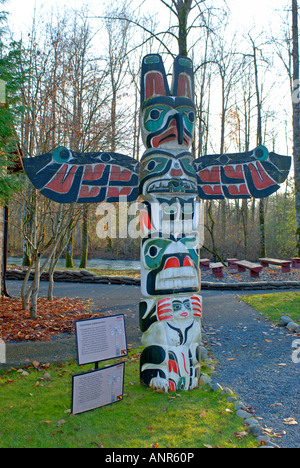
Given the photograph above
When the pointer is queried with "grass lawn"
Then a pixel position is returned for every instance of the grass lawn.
(106, 272)
(273, 306)
(35, 412)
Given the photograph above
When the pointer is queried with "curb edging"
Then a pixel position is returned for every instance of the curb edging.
(84, 276)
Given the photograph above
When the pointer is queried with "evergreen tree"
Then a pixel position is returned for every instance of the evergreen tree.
(10, 111)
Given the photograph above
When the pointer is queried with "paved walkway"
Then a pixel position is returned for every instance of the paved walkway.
(255, 357)
(110, 299)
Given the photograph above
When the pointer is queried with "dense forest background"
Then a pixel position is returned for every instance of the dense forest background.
(80, 89)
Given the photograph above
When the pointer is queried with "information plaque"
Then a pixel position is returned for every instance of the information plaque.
(97, 388)
(100, 339)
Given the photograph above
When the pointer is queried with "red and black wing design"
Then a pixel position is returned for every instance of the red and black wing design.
(256, 173)
(66, 177)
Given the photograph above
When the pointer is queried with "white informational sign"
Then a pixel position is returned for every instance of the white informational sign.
(97, 388)
(100, 339)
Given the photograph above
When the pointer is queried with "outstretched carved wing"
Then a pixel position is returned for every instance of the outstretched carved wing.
(256, 173)
(66, 177)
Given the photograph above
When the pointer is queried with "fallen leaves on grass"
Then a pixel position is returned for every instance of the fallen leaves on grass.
(53, 318)
(241, 435)
(155, 445)
(290, 422)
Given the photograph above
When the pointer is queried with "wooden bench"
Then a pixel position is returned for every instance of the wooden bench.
(217, 269)
(255, 268)
(285, 264)
(232, 262)
(204, 263)
(296, 262)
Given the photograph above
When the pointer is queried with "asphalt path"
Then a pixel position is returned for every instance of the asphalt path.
(254, 356)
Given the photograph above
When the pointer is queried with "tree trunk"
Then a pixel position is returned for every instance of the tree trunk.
(52, 266)
(26, 251)
(50, 285)
(259, 142)
(244, 213)
(85, 238)
(113, 116)
(5, 253)
(296, 118)
(211, 230)
(35, 288)
(183, 8)
(69, 253)
(262, 252)
(25, 296)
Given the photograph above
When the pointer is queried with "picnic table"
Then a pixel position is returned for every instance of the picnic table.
(255, 268)
(232, 262)
(285, 264)
(296, 262)
(204, 263)
(217, 269)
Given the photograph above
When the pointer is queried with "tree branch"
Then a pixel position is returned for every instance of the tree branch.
(148, 31)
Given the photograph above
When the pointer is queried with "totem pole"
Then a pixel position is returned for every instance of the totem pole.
(170, 184)
(170, 314)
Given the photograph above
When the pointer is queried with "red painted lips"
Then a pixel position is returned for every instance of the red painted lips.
(173, 262)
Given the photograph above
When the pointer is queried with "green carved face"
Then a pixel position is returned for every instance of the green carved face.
(168, 123)
(163, 172)
(155, 249)
(156, 116)
(154, 165)
(169, 266)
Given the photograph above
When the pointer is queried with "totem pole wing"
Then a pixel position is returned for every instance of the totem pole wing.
(65, 176)
(256, 173)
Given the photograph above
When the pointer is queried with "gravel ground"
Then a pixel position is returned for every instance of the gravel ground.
(267, 274)
(255, 361)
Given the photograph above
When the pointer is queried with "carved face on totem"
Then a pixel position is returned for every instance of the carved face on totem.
(167, 125)
(179, 308)
(167, 115)
(168, 122)
(174, 308)
(163, 172)
(170, 266)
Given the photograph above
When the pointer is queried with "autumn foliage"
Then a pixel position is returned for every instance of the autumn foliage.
(54, 318)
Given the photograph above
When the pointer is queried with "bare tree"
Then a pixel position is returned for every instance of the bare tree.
(296, 116)
(287, 49)
(181, 9)
(118, 39)
(45, 247)
(256, 54)
(66, 100)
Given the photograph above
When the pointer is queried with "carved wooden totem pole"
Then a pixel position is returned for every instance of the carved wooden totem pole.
(170, 314)
(170, 184)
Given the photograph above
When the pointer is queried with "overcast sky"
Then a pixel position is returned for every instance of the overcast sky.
(244, 13)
